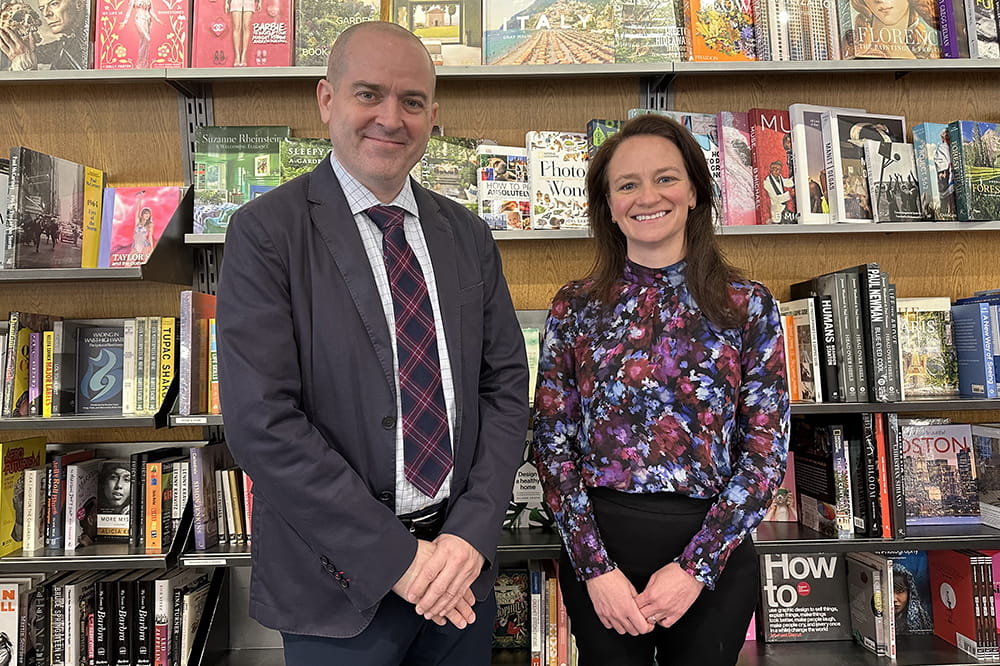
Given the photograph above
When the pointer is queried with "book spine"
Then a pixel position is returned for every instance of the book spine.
(859, 497)
(894, 446)
(163, 619)
(186, 389)
(142, 637)
(892, 340)
(35, 374)
(10, 366)
(167, 358)
(842, 481)
(34, 499)
(876, 330)
(236, 499)
(857, 333)
(885, 485)
(56, 519)
(153, 366)
(70, 528)
(791, 357)
(141, 352)
(215, 406)
(224, 507)
(873, 491)
(198, 504)
(831, 373)
(154, 506)
(247, 505)
(72, 628)
(48, 359)
(8, 244)
(58, 621)
(137, 472)
(59, 403)
(124, 622)
(962, 194)
(128, 367)
(93, 199)
(949, 34)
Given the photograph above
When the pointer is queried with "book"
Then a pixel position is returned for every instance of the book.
(527, 506)
(167, 360)
(954, 604)
(214, 404)
(81, 503)
(928, 365)
(254, 34)
(298, 155)
(65, 335)
(17, 456)
(868, 603)
(511, 627)
(504, 200)
(973, 340)
(935, 176)
(448, 167)
(20, 326)
(982, 28)
(232, 164)
(736, 168)
(35, 374)
(451, 32)
(955, 20)
(48, 362)
(514, 34)
(719, 31)
(114, 500)
(99, 369)
(939, 473)
(803, 597)
(904, 31)
(892, 181)
(649, 31)
(141, 34)
(784, 503)
(986, 452)
(973, 146)
(557, 172)
(847, 178)
(193, 371)
(138, 218)
(137, 464)
(55, 516)
(822, 477)
(317, 25)
(773, 165)
(34, 509)
(803, 313)
(56, 39)
(205, 460)
(46, 208)
(911, 592)
(194, 601)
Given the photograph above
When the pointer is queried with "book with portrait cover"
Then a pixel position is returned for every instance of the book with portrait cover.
(974, 147)
(902, 30)
(451, 31)
(939, 473)
(318, 23)
(892, 181)
(241, 33)
(649, 31)
(141, 34)
(557, 173)
(738, 205)
(232, 165)
(847, 179)
(927, 361)
(298, 155)
(512, 626)
(134, 220)
(16, 456)
(803, 598)
(719, 31)
(99, 368)
(773, 166)
(81, 503)
(504, 199)
(935, 176)
(519, 32)
(54, 39)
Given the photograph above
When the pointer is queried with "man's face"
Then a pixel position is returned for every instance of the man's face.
(380, 110)
(775, 169)
(60, 15)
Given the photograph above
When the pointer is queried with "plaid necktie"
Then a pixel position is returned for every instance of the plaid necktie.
(426, 446)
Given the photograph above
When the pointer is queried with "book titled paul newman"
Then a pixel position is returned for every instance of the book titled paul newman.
(141, 34)
(847, 178)
(47, 202)
(719, 30)
(557, 173)
(16, 456)
(232, 165)
(99, 368)
(504, 199)
(974, 147)
(319, 22)
(241, 33)
(939, 473)
(134, 220)
(773, 166)
(521, 33)
(803, 598)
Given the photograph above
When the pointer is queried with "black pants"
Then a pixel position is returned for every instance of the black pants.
(643, 533)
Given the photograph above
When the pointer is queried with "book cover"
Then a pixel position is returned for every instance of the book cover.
(939, 473)
(46, 215)
(10, 617)
(232, 164)
(192, 610)
(782, 508)
(527, 506)
(214, 404)
(452, 32)
(58, 39)
(520, 32)
(55, 516)
(971, 333)
(649, 31)
(318, 23)
(99, 370)
(138, 218)
(114, 500)
(986, 450)
(167, 359)
(847, 179)
(953, 599)
(81, 503)
(598, 131)
(503, 195)
(902, 30)
(736, 168)
(557, 173)
(141, 34)
(34, 509)
(17, 456)
(17, 369)
(864, 585)
(298, 155)
(974, 148)
(137, 463)
(448, 167)
(241, 33)
(928, 365)
(804, 30)
(512, 624)
(892, 181)
(803, 598)
(822, 478)
(982, 22)
(93, 208)
(932, 157)
(48, 361)
(35, 374)
(911, 602)
(803, 312)
(719, 31)
(773, 165)
(954, 19)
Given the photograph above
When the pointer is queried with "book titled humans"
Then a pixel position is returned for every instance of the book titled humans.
(804, 597)
(519, 32)
(557, 173)
(99, 368)
(504, 199)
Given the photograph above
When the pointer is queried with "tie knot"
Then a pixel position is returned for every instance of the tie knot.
(386, 217)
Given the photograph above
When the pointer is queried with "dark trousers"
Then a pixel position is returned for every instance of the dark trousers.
(397, 635)
(643, 533)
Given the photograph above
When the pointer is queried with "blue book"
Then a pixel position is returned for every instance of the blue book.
(974, 350)
(107, 223)
(994, 302)
(99, 368)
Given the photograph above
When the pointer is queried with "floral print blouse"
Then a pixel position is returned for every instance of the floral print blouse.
(646, 395)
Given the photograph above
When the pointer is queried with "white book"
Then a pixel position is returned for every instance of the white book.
(557, 175)
(163, 610)
(181, 486)
(809, 165)
(226, 499)
(128, 367)
(193, 608)
(34, 509)
(80, 528)
(847, 178)
(803, 313)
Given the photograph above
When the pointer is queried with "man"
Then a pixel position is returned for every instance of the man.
(776, 187)
(69, 23)
(357, 559)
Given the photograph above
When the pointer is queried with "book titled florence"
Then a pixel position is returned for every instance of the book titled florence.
(557, 173)
(516, 32)
(100, 364)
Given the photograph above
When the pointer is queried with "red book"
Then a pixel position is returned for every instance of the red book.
(242, 33)
(882, 451)
(771, 157)
(952, 598)
(141, 34)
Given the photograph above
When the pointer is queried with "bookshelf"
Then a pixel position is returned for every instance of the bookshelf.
(140, 118)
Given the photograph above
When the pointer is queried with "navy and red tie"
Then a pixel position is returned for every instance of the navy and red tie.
(426, 446)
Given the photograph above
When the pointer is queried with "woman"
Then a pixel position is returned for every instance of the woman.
(895, 29)
(241, 12)
(661, 419)
(144, 17)
(142, 234)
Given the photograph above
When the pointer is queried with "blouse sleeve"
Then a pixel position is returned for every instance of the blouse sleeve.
(556, 445)
(758, 445)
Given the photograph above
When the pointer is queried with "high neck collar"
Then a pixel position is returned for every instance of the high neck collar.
(654, 277)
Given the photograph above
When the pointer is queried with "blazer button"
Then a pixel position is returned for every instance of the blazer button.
(344, 583)
(385, 497)
(389, 422)
(323, 560)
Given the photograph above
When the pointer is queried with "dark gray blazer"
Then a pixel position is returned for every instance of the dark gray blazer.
(307, 389)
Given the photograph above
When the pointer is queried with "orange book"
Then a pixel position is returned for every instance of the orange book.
(791, 357)
(154, 506)
(719, 31)
(562, 627)
(882, 452)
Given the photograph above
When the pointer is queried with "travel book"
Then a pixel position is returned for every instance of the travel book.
(932, 157)
(516, 33)
(928, 366)
(448, 167)
(974, 146)
(649, 31)
(141, 34)
(241, 33)
(451, 31)
(318, 24)
(906, 30)
(939, 473)
(557, 173)
(503, 194)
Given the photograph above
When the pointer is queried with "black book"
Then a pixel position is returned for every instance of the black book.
(833, 377)
(787, 613)
(143, 634)
(126, 615)
(137, 501)
(106, 618)
(873, 489)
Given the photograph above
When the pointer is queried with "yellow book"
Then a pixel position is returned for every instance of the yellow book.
(167, 357)
(15, 457)
(93, 199)
(48, 359)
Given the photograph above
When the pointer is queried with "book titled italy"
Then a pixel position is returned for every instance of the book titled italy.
(504, 199)
(100, 364)
(517, 32)
(557, 175)
(241, 33)
(141, 34)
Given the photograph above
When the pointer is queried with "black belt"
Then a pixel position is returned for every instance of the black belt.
(427, 522)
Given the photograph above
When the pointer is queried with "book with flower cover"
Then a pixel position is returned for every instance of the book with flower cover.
(892, 181)
(220, 27)
(738, 206)
(451, 31)
(557, 173)
(504, 199)
(136, 219)
(715, 30)
(904, 30)
(558, 33)
(319, 22)
(773, 165)
(935, 175)
(649, 31)
(141, 34)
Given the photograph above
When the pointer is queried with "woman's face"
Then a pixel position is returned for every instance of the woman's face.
(117, 487)
(888, 12)
(899, 599)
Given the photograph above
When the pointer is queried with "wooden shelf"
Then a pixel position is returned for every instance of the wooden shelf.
(902, 407)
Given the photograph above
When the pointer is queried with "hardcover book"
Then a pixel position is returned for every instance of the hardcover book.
(205, 460)
(926, 352)
(892, 181)
(986, 449)
(935, 175)
(527, 506)
(868, 603)
(804, 30)
(982, 21)
(735, 166)
(298, 155)
(773, 165)
(34, 508)
(974, 148)
(504, 198)
(81, 503)
(719, 31)
(52, 39)
(196, 310)
(557, 172)
(99, 368)
(955, 22)
(114, 500)
(822, 477)
(135, 222)
(512, 623)
(241, 33)
(451, 31)
(803, 598)
(803, 312)
(598, 131)
(318, 23)
(971, 330)
(649, 31)
(141, 34)
(20, 326)
(232, 164)
(954, 600)
(17, 456)
(55, 517)
(905, 30)
(521, 33)
(939, 473)
(448, 167)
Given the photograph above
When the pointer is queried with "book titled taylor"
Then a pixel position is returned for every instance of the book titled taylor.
(133, 222)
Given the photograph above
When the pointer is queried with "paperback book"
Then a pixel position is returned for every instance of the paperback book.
(803, 598)
(17, 456)
(99, 370)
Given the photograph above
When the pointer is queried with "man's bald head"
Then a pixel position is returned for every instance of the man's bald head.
(372, 31)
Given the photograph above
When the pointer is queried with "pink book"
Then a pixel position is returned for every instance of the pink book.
(242, 33)
(141, 34)
(738, 206)
(139, 218)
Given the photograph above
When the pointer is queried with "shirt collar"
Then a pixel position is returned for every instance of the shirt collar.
(671, 275)
(360, 198)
